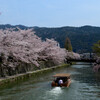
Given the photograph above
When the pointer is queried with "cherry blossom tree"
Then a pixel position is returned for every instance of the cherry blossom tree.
(96, 67)
(24, 46)
(27, 47)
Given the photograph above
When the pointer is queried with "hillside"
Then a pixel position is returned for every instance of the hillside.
(82, 38)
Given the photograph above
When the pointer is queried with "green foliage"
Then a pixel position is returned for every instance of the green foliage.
(96, 48)
(68, 45)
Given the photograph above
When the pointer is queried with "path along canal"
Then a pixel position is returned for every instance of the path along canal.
(85, 86)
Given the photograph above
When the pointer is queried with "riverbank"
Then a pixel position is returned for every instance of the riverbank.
(21, 77)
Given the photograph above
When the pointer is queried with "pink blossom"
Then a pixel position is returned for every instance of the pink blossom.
(25, 46)
(97, 65)
(28, 47)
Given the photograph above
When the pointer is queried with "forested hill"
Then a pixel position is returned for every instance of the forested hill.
(82, 38)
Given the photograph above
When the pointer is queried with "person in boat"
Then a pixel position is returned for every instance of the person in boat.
(60, 82)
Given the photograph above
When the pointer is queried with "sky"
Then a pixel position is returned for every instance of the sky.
(50, 13)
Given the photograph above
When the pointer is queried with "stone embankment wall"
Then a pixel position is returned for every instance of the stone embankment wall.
(20, 77)
(12, 66)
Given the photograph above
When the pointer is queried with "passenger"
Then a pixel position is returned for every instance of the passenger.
(60, 82)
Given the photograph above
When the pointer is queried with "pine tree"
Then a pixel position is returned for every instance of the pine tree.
(68, 45)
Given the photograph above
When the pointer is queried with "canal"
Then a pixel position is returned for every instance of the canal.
(85, 86)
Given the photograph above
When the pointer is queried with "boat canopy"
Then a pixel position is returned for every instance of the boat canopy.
(61, 75)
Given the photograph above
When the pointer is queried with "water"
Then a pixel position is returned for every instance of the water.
(85, 86)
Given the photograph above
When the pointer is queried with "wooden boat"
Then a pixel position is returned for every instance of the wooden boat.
(64, 77)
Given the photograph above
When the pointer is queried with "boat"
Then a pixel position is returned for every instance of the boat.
(62, 76)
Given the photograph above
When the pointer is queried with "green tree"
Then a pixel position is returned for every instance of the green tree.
(96, 48)
(68, 45)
